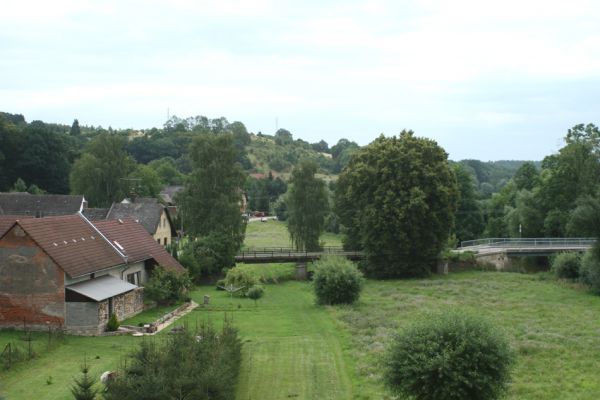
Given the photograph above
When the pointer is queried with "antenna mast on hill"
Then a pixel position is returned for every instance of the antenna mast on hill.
(276, 124)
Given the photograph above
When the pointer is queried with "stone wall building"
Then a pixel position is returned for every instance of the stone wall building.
(67, 272)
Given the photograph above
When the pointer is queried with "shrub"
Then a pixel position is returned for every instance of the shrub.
(113, 323)
(589, 272)
(255, 293)
(167, 287)
(201, 365)
(220, 284)
(337, 281)
(566, 265)
(449, 356)
(240, 278)
(208, 255)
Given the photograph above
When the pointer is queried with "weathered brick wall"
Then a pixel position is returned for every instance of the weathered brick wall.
(31, 286)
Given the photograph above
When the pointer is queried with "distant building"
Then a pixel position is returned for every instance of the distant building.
(154, 217)
(40, 205)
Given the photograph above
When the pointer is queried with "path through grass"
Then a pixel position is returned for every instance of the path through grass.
(292, 348)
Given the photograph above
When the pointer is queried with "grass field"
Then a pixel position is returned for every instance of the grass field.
(554, 328)
(274, 234)
(295, 349)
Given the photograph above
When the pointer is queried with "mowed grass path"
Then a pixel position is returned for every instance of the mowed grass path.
(292, 348)
(274, 233)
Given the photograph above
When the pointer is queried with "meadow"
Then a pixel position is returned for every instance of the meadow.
(293, 348)
(274, 233)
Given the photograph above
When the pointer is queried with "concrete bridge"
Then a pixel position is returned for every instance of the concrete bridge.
(286, 254)
(501, 251)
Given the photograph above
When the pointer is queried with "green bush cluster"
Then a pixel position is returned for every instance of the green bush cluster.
(240, 278)
(167, 287)
(256, 292)
(188, 365)
(337, 281)
(566, 266)
(589, 271)
(449, 356)
(113, 323)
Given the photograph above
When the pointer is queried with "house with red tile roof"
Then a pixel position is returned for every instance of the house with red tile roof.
(65, 271)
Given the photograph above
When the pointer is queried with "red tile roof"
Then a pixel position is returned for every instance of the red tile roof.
(7, 221)
(136, 242)
(73, 243)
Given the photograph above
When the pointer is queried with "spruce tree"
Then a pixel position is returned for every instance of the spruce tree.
(83, 389)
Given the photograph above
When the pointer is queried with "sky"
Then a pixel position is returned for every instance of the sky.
(488, 80)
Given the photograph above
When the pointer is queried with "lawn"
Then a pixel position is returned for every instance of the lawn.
(274, 233)
(292, 348)
(150, 315)
(295, 349)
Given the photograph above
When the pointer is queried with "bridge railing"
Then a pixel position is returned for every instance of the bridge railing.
(528, 242)
(265, 252)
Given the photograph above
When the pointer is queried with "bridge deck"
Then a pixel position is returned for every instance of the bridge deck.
(526, 246)
(281, 254)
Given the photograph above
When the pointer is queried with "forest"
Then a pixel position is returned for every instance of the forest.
(497, 198)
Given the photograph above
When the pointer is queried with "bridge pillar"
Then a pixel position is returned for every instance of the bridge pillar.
(501, 261)
(301, 272)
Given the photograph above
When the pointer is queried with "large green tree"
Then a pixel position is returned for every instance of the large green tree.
(469, 215)
(397, 198)
(99, 173)
(212, 195)
(308, 205)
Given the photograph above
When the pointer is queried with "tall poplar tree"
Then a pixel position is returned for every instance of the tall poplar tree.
(211, 199)
(308, 206)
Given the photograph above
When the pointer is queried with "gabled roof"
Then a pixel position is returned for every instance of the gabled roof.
(148, 214)
(7, 221)
(40, 204)
(95, 214)
(168, 193)
(135, 242)
(73, 243)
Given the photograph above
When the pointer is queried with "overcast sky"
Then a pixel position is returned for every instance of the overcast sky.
(486, 79)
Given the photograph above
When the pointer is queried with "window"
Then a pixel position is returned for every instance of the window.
(165, 241)
(134, 278)
(158, 240)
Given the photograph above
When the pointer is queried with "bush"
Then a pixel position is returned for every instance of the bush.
(220, 284)
(240, 278)
(337, 281)
(113, 323)
(255, 293)
(589, 272)
(207, 256)
(566, 265)
(167, 287)
(449, 356)
(197, 365)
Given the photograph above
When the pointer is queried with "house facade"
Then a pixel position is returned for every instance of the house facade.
(66, 272)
